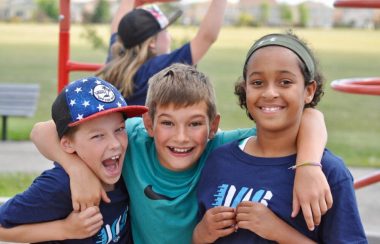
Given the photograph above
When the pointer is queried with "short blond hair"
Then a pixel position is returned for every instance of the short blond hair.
(181, 85)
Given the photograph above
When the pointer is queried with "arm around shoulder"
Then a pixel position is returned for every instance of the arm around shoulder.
(75, 226)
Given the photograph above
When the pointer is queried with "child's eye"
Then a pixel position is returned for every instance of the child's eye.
(97, 136)
(166, 123)
(286, 82)
(255, 83)
(196, 123)
(121, 129)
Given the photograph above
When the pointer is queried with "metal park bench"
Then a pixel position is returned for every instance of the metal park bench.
(17, 100)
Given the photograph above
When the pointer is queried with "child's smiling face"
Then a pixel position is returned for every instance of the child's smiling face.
(181, 134)
(275, 88)
(101, 143)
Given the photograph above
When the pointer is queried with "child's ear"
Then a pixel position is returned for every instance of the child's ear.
(214, 126)
(67, 145)
(148, 123)
(152, 45)
(310, 91)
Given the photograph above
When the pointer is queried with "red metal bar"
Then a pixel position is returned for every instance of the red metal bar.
(368, 180)
(64, 43)
(367, 86)
(357, 3)
(78, 66)
(65, 66)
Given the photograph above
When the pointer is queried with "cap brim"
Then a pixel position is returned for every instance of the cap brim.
(129, 111)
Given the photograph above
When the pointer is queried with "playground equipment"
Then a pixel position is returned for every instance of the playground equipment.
(65, 65)
(367, 86)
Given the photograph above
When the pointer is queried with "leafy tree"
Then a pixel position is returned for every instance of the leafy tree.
(245, 19)
(286, 14)
(304, 15)
(48, 8)
(264, 9)
(102, 12)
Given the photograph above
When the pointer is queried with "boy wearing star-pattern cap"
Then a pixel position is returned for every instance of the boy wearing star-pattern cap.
(89, 115)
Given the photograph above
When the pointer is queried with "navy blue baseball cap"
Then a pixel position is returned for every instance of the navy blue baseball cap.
(86, 99)
(141, 23)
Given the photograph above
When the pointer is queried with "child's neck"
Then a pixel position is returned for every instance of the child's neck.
(108, 187)
(273, 144)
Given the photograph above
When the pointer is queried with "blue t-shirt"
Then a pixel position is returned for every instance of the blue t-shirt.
(49, 198)
(151, 67)
(230, 176)
(163, 202)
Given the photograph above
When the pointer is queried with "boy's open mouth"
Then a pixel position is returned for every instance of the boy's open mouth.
(112, 164)
(180, 150)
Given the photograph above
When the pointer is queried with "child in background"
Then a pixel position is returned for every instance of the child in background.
(244, 182)
(89, 116)
(140, 46)
(166, 154)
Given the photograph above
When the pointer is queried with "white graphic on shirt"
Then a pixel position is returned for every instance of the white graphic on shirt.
(227, 195)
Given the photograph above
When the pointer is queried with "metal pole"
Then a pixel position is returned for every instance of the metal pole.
(4, 121)
(64, 44)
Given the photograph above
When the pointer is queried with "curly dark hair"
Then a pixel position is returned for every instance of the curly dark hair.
(318, 77)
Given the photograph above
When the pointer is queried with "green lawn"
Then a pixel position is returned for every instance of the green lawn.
(29, 55)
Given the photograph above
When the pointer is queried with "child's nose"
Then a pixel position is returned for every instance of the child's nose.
(270, 92)
(114, 142)
(181, 134)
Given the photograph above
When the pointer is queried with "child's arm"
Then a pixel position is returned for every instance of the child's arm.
(209, 30)
(125, 6)
(217, 222)
(78, 225)
(86, 189)
(311, 190)
(261, 220)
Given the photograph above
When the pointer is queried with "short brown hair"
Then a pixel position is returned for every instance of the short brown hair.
(181, 85)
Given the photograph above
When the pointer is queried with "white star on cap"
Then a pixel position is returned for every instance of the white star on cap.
(100, 107)
(78, 89)
(91, 92)
(119, 104)
(72, 102)
(84, 80)
(86, 103)
(79, 117)
(98, 82)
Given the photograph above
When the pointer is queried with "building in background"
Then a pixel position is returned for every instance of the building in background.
(249, 12)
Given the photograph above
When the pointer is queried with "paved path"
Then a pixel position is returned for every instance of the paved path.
(24, 157)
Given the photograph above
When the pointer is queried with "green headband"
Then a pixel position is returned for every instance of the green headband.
(288, 42)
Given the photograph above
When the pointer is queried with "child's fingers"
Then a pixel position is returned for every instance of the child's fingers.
(316, 213)
(323, 206)
(105, 197)
(226, 231)
(296, 206)
(90, 211)
(307, 214)
(76, 206)
(329, 199)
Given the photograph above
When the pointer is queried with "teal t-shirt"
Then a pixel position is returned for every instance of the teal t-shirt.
(163, 203)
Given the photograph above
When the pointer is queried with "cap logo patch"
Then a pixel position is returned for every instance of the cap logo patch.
(158, 15)
(104, 94)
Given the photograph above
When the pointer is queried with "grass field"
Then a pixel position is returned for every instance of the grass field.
(28, 54)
